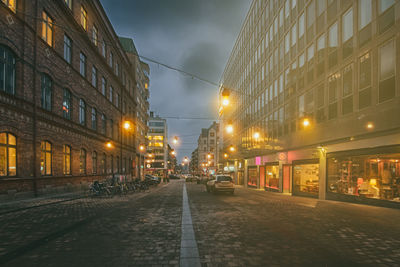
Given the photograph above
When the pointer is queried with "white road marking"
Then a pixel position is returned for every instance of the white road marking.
(189, 252)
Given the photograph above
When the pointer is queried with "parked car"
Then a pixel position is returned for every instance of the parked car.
(153, 179)
(174, 177)
(221, 183)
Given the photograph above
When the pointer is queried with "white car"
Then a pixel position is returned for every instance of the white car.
(221, 183)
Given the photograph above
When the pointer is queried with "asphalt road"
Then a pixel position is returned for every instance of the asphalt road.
(157, 228)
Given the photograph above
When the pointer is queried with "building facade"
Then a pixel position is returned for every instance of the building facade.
(141, 72)
(157, 149)
(207, 149)
(65, 92)
(314, 89)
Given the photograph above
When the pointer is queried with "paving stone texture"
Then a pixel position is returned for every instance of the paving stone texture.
(250, 228)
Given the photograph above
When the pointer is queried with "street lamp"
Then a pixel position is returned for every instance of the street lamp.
(229, 128)
(226, 155)
(306, 122)
(175, 141)
(109, 144)
(127, 125)
(209, 156)
(256, 135)
(370, 125)
(232, 148)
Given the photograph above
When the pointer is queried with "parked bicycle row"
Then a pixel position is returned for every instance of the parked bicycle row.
(117, 185)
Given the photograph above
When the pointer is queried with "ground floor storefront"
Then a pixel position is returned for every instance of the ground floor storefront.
(363, 171)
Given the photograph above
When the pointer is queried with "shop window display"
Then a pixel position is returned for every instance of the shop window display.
(371, 176)
(252, 176)
(306, 178)
(272, 176)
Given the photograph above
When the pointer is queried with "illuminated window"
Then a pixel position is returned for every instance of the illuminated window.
(66, 159)
(47, 29)
(8, 155)
(12, 4)
(84, 18)
(45, 158)
(7, 71)
(82, 161)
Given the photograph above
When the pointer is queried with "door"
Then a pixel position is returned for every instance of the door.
(286, 178)
(262, 177)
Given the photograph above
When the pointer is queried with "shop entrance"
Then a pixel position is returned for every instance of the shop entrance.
(306, 178)
(240, 178)
(286, 179)
(262, 177)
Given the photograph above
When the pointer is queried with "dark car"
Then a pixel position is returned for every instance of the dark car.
(173, 177)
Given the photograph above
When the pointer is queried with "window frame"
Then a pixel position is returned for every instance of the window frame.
(47, 92)
(82, 112)
(47, 28)
(45, 152)
(9, 146)
(83, 16)
(6, 67)
(82, 161)
(67, 154)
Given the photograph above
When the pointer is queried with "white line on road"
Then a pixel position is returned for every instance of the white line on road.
(189, 252)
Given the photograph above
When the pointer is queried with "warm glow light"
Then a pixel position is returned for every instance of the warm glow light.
(127, 125)
(225, 101)
(141, 147)
(209, 156)
(175, 141)
(150, 155)
(306, 122)
(173, 152)
(372, 182)
(256, 135)
(225, 155)
(232, 148)
(109, 145)
(370, 125)
(229, 128)
(185, 159)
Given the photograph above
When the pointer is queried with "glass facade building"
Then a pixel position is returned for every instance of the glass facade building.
(312, 78)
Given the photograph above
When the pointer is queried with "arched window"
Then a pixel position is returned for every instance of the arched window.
(8, 155)
(66, 159)
(7, 70)
(45, 158)
(82, 161)
(94, 162)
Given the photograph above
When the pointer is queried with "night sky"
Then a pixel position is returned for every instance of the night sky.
(196, 36)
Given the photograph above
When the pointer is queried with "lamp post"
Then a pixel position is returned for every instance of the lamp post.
(142, 148)
(127, 126)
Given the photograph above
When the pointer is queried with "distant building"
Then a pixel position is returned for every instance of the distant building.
(316, 99)
(157, 148)
(207, 149)
(194, 162)
(141, 94)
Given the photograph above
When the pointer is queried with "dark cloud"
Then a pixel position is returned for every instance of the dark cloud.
(194, 35)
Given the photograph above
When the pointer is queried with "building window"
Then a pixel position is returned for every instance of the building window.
(67, 104)
(111, 170)
(95, 35)
(364, 21)
(103, 86)
(94, 77)
(104, 163)
(68, 3)
(111, 128)
(66, 159)
(369, 175)
(103, 124)
(47, 89)
(11, 4)
(111, 94)
(82, 112)
(347, 33)
(67, 48)
(47, 28)
(364, 92)
(111, 62)
(82, 64)
(7, 71)
(45, 158)
(117, 100)
(117, 69)
(82, 161)
(385, 5)
(332, 95)
(94, 119)
(306, 179)
(8, 154)
(83, 18)
(333, 44)
(94, 162)
(347, 100)
(103, 48)
(387, 59)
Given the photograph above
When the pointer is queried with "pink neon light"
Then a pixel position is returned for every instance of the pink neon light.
(258, 160)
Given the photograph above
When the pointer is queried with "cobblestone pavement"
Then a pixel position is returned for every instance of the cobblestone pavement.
(257, 228)
(138, 229)
(252, 228)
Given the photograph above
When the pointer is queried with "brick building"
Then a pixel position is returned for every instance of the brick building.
(66, 89)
